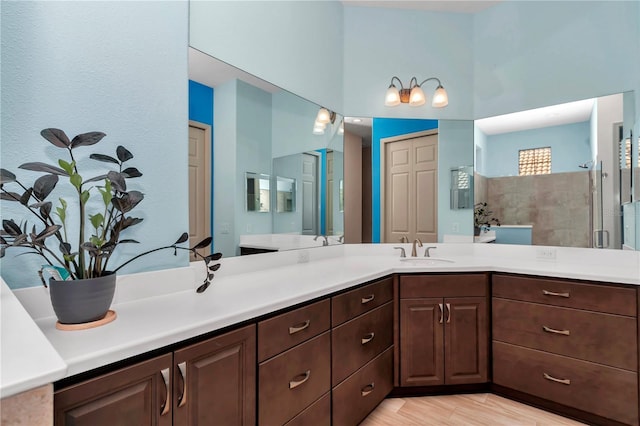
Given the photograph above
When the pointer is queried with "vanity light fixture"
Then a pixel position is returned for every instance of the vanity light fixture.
(325, 116)
(414, 95)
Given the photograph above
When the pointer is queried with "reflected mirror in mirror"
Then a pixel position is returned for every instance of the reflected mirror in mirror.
(285, 194)
(462, 187)
(254, 123)
(548, 175)
(257, 192)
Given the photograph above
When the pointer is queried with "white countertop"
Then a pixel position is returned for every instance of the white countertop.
(283, 242)
(161, 308)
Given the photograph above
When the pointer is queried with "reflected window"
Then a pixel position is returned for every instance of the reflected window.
(536, 161)
(257, 192)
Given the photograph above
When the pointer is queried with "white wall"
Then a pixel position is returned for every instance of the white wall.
(296, 45)
(380, 43)
(116, 67)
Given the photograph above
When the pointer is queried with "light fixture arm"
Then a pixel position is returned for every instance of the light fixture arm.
(399, 81)
(430, 78)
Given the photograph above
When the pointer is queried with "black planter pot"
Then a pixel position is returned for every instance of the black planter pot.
(81, 301)
(476, 231)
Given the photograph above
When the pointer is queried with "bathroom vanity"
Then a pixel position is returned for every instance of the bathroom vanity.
(324, 341)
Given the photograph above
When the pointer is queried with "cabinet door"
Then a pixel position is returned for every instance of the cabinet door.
(214, 381)
(466, 340)
(133, 396)
(421, 342)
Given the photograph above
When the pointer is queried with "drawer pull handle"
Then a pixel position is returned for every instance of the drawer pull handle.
(441, 312)
(367, 389)
(299, 327)
(166, 405)
(552, 330)
(448, 313)
(551, 293)
(295, 383)
(368, 298)
(553, 379)
(182, 399)
(368, 337)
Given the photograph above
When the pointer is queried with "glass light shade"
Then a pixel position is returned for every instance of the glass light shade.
(318, 131)
(440, 98)
(392, 98)
(323, 116)
(417, 97)
(319, 125)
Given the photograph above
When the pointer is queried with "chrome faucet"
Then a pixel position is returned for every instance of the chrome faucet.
(426, 252)
(325, 242)
(413, 248)
(402, 252)
(404, 239)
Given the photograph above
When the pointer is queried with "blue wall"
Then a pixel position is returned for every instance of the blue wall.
(201, 110)
(386, 128)
(570, 146)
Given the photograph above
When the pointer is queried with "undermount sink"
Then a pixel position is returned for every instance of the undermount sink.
(425, 261)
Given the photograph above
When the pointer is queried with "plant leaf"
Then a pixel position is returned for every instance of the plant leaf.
(123, 153)
(45, 209)
(67, 167)
(96, 179)
(104, 158)
(6, 176)
(117, 181)
(24, 198)
(56, 137)
(9, 196)
(85, 139)
(11, 227)
(131, 172)
(129, 241)
(43, 186)
(202, 244)
(47, 232)
(42, 167)
(128, 222)
(184, 237)
(214, 267)
(96, 220)
(65, 248)
(84, 197)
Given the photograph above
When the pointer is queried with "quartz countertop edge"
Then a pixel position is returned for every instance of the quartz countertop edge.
(160, 320)
(36, 362)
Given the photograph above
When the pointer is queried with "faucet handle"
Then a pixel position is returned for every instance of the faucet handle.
(402, 252)
(426, 252)
(404, 239)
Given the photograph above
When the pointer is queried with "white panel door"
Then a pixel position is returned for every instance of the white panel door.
(199, 186)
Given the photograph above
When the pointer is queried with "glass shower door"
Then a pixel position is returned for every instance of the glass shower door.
(600, 235)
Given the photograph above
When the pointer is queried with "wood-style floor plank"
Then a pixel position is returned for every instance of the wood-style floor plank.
(461, 410)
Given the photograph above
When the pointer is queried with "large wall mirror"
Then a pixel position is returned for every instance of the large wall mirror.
(276, 180)
(558, 176)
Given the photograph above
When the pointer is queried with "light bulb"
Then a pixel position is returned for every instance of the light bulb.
(417, 98)
(440, 98)
(323, 116)
(392, 98)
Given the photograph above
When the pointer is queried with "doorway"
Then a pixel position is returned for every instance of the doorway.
(309, 194)
(199, 184)
(410, 187)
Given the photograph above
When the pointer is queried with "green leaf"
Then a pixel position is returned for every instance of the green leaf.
(67, 167)
(96, 220)
(84, 197)
(76, 180)
(106, 193)
(96, 241)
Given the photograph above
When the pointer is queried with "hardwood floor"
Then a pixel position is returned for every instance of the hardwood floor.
(457, 410)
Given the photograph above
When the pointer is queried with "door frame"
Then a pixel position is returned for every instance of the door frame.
(208, 148)
(383, 176)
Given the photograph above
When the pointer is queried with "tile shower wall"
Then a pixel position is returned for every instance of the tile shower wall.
(557, 205)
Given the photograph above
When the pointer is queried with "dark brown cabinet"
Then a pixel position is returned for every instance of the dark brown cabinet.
(577, 341)
(139, 395)
(443, 329)
(212, 382)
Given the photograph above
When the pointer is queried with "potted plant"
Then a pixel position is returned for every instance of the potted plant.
(82, 284)
(483, 218)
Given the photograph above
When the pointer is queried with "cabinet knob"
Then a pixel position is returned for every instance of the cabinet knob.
(448, 313)
(553, 379)
(182, 399)
(367, 389)
(166, 405)
(552, 293)
(299, 327)
(304, 377)
(367, 338)
(441, 306)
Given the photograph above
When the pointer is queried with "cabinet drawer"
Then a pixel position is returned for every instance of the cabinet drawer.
(605, 391)
(284, 331)
(360, 340)
(457, 285)
(291, 381)
(317, 414)
(355, 302)
(593, 297)
(357, 396)
(602, 338)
